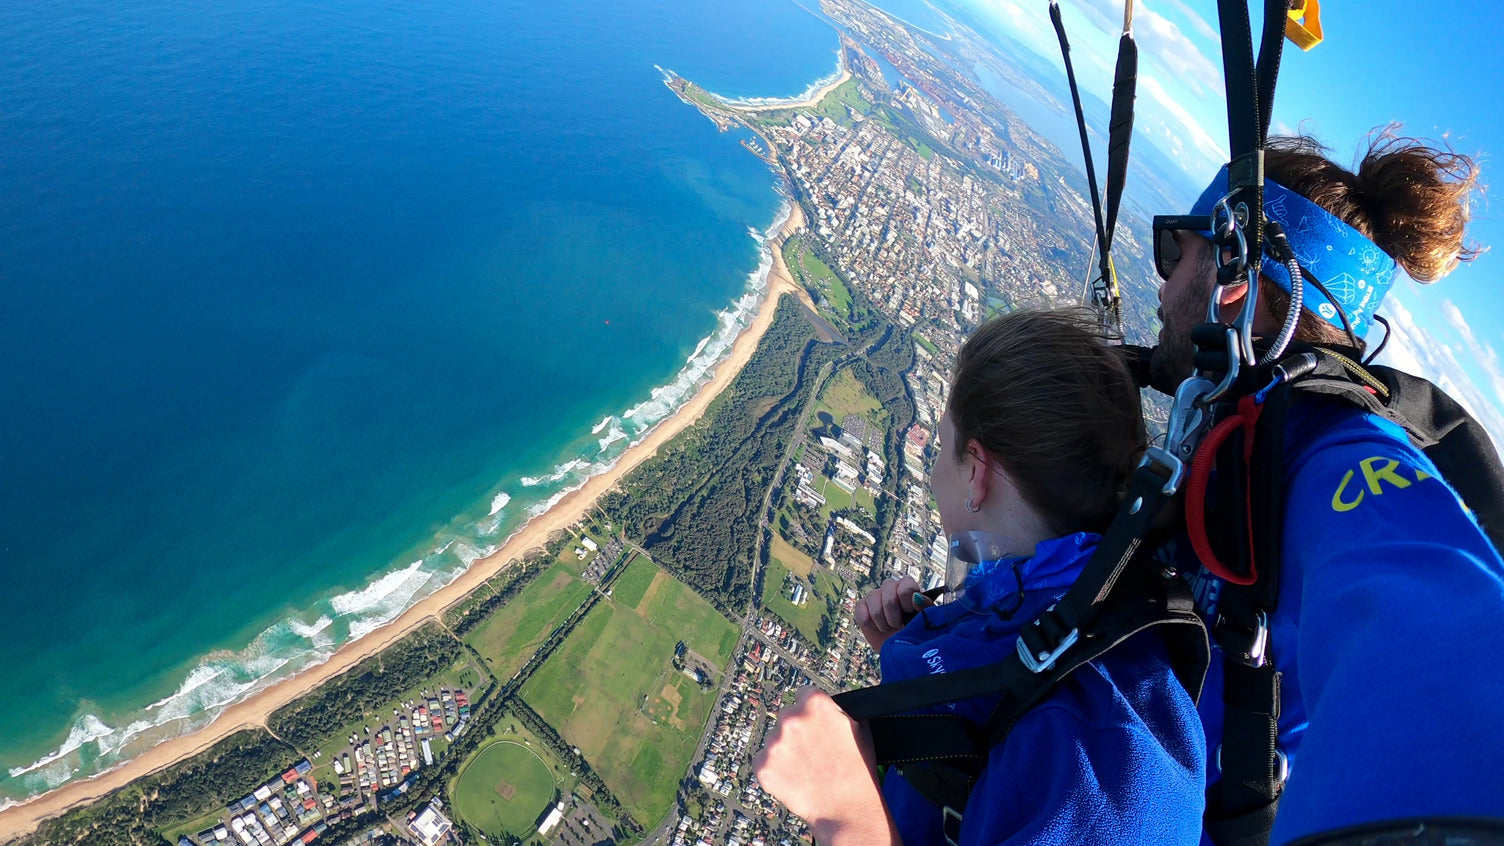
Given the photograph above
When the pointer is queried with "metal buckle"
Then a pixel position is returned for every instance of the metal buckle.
(1257, 653)
(1187, 417)
(1233, 363)
(1280, 758)
(1045, 660)
(947, 816)
(1161, 458)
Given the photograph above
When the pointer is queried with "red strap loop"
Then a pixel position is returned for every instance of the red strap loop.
(1246, 418)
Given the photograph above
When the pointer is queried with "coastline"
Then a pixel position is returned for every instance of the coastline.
(20, 819)
(809, 100)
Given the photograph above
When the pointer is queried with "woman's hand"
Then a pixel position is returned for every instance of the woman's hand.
(819, 763)
(886, 609)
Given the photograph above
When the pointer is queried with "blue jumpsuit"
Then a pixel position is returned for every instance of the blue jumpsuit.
(1390, 613)
(1114, 755)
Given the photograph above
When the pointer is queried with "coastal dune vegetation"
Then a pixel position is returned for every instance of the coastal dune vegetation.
(695, 508)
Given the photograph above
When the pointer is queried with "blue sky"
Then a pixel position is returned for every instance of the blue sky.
(1435, 68)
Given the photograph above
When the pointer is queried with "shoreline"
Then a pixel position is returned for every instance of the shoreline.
(21, 819)
(805, 102)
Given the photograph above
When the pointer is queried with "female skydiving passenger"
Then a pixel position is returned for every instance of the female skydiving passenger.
(1039, 438)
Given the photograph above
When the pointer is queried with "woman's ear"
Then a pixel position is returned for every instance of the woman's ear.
(978, 471)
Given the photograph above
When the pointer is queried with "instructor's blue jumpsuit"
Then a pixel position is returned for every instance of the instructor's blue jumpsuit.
(1388, 632)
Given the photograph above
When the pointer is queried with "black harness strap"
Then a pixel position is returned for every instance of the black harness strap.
(1055, 630)
(1091, 169)
(1119, 139)
(953, 750)
(1241, 805)
(1120, 127)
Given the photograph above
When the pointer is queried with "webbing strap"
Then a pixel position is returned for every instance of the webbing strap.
(1169, 607)
(1119, 139)
(1250, 730)
(1147, 493)
(1120, 123)
(1244, 115)
(1271, 48)
(906, 738)
(1241, 805)
(1091, 169)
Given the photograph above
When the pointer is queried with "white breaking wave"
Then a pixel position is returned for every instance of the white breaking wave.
(201, 675)
(617, 433)
(310, 630)
(489, 525)
(316, 633)
(383, 600)
(468, 554)
(544, 506)
(86, 729)
(558, 475)
(783, 101)
(605, 421)
(374, 593)
(500, 502)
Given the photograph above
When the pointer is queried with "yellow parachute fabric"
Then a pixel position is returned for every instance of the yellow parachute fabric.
(1304, 26)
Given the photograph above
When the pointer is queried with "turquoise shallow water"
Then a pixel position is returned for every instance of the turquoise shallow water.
(303, 306)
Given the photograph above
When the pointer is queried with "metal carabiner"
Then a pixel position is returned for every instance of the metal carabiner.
(1239, 343)
(1189, 418)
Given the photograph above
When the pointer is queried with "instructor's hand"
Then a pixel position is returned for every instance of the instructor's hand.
(886, 609)
(819, 763)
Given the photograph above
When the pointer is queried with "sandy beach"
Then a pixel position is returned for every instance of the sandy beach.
(808, 102)
(252, 712)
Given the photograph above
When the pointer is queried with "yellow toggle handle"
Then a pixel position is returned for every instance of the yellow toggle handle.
(1304, 26)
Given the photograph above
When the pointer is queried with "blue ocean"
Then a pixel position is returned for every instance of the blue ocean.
(305, 306)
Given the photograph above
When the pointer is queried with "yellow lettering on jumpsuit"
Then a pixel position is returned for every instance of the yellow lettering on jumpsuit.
(1377, 471)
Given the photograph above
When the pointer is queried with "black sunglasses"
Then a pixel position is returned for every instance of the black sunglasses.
(1166, 248)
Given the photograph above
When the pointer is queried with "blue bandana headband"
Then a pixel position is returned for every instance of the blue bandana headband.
(1356, 272)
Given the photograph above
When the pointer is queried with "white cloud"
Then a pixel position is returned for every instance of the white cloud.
(1483, 354)
(1198, 23)
(1184, 125)
(1176, 80)
(1165, 45)
(1025, 23)
(1416, 350)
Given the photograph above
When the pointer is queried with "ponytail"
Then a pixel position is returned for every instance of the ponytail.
(1411, 199)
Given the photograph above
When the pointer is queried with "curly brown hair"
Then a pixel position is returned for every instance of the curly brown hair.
(1409, 197)
(1047, 394)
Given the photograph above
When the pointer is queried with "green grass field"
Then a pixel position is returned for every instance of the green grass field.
(835, 290)
(862, 499)
(835, 103)
(836, 497)
(504, 788)
(510, 636)
(791, 558)
(634, 581)
(774, 598)
(612, 691)
(844, 394)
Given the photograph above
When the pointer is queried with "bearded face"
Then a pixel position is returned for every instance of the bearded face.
(1182, 305)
